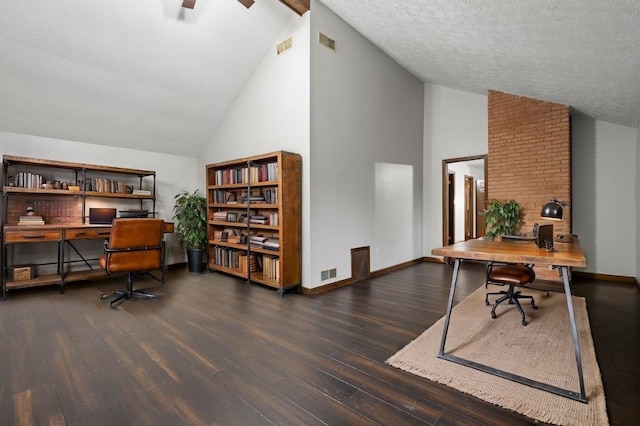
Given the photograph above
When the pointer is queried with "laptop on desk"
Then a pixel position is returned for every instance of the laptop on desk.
(101, 216)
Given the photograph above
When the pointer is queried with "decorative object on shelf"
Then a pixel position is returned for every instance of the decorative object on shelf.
(30, 218)
(501, 218)
(23, 272)
(552, 210)
(190, 213)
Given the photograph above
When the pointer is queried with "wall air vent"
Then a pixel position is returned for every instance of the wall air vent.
(284, 45)
(326, 41)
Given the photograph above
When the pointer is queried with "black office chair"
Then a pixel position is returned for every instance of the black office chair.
(134, 246)
(513, 275)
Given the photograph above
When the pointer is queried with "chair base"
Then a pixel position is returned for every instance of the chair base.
(512, 296)
(120, 296)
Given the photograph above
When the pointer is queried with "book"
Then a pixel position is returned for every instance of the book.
(30, 220)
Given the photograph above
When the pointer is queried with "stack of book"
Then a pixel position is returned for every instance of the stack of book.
(31, 220)
(260, 219)
(256, 240)
(221, 216)
(272, 243)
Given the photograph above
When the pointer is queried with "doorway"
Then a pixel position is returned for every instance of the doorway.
(462, 208)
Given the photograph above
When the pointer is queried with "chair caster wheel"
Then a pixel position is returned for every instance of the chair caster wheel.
(524, 322)
(103, 296)
(493, 315)
(486, 302)
(534, 306)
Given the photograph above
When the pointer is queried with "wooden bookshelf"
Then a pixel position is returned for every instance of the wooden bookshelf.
(255, 219)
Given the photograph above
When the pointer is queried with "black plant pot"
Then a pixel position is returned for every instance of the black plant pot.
(195, 260)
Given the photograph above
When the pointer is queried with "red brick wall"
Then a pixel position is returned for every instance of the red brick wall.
(52, 209)
(530, 158)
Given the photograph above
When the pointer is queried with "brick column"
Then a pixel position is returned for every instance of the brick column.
(530, 158)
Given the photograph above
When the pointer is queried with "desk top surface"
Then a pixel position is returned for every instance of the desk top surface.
(168, 226)
(565, 254)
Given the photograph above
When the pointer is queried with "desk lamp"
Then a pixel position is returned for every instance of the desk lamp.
(552, 210)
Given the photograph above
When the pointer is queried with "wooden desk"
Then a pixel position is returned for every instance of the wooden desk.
(63, 235)
(566, 255)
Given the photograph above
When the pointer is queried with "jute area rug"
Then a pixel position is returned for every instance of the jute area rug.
(542, 351)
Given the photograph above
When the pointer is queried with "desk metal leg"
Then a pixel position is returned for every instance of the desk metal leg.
(505, 374)
(454, 279)
(574, 330)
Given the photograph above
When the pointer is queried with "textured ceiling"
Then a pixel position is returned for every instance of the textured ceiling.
(150, 75)
(582, 53)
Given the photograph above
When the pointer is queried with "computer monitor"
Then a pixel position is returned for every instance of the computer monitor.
(545, 237)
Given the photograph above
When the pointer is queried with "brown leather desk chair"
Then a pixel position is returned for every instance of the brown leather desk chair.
(134, 246)
(513, 275)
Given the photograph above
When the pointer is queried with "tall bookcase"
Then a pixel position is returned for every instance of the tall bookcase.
(255, 219)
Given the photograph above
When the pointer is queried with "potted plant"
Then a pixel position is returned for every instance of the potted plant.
(190, 214)
(501, 218)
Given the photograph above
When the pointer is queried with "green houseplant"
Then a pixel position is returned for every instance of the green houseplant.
(501, 218)
(190, 214)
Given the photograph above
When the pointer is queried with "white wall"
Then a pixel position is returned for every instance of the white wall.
(272, 114)
(366, 152)
(173, 173)
(455, 125)
(604, 179)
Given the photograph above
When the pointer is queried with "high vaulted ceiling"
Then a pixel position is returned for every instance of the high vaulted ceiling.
(150, 75)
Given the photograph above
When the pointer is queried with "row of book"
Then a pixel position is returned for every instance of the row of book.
(259, 219)
(105, 185)
(258, 173)
(271, 267)
(266, 195)
(28, 180)
(236, 259)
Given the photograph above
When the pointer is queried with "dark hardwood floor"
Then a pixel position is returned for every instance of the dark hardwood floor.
(211, 349)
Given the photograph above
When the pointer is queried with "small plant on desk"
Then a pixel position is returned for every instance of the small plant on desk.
(501, 218)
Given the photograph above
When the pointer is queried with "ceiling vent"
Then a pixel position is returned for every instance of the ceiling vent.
(284, 45)
(327, 41)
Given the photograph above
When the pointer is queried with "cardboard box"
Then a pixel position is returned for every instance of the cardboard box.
(23, 272)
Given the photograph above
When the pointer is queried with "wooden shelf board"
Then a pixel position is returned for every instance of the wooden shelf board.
(35, 282)
(244, 185)
(39, 191)
(226, 270)
(118, 195)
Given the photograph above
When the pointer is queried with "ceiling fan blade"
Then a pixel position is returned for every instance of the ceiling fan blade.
(246, 3)
(188, 3)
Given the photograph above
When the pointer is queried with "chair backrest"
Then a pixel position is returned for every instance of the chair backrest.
(135, 245)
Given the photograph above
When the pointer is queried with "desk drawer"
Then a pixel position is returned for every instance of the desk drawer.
(86, 233)
(31, 236)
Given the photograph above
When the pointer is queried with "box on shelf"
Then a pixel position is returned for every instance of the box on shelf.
(23, 272)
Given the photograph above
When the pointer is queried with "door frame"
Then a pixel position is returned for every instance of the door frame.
(445, 195)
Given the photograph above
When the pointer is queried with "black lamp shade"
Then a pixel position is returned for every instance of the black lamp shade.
(552, 210)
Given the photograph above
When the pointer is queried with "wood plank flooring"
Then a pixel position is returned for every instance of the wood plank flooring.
(211, 349)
